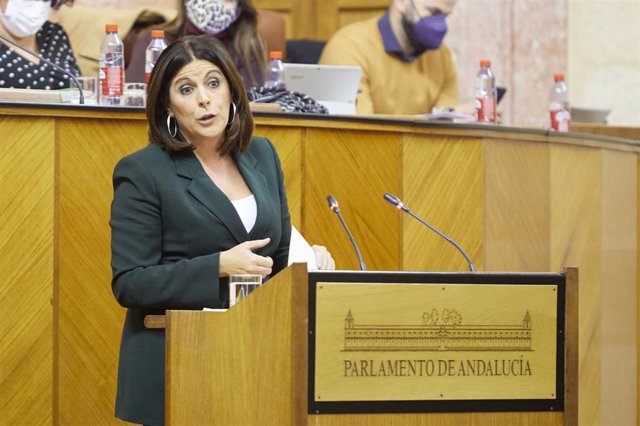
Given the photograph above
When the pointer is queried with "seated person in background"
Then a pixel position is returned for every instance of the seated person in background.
(233, 22)
(25, 23)
(405, 67)
(85, 24)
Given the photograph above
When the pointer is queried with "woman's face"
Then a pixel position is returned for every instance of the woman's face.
(199, 97)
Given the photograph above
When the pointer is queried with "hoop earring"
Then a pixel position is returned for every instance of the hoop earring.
(233, 116)
(175, 127)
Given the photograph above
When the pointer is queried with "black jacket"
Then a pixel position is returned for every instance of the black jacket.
(169, 224)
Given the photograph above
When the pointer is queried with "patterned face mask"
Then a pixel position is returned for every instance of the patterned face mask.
(210, 16)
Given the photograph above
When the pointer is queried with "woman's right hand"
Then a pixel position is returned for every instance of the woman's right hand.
(242, 260)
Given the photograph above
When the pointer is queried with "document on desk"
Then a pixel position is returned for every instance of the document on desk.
(447, 116)
(300, 251)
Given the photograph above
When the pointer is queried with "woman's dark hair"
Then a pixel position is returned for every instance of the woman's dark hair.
(246, 40)
(57, 3)
(171, 61)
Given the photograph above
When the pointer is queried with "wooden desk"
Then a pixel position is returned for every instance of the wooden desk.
(627, 132)
(515, 199)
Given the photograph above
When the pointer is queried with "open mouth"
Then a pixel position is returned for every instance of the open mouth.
(206, 117)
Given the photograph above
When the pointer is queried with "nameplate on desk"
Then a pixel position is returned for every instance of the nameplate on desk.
(434, 343)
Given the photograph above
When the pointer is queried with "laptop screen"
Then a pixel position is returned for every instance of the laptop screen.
(334, 86)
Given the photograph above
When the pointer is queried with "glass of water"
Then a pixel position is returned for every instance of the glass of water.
(241, 285)
(89, 90)
(135, 94)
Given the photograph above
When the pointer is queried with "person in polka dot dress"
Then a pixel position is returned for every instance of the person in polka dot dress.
(25, 23)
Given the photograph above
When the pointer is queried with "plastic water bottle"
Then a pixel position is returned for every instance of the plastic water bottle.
(486, 94)
(275, 71)
(559, 105)
(111, 67)
(155, 48)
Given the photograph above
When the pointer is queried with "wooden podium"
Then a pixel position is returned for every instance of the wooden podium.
(263, 361)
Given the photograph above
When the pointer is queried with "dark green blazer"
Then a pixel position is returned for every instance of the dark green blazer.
(169, 223)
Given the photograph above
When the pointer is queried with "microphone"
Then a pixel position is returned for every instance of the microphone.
(395, 201)
(333, 205)
(59, 68)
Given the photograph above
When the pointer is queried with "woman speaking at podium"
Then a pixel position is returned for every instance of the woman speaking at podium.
(24, 22)
(202, 201)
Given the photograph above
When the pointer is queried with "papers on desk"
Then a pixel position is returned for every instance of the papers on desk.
(41, 96)
(300, 251)
(30, 95)
(448, 116)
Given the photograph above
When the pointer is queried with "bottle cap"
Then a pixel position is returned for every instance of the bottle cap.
(485, 63)
(558, 77)
(157, 33)
(275, 54)
(111, 28)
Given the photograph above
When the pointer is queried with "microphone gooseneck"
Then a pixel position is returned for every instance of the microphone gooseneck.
(59, 68)
(395, 201)
(333, 205)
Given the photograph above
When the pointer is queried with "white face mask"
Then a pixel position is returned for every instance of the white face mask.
(23, 18)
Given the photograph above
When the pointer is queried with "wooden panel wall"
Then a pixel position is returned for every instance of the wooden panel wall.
(288, 144)
(619, 301)
(26, 271)
(90, 318)
(442, 181)
(517, 206)
(338, 13)
(357, 167)
(514, 201)
(576, 217)
(311, 19)
(298, 15)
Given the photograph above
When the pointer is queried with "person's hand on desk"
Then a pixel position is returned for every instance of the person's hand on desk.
(242, 260)
(323, 258)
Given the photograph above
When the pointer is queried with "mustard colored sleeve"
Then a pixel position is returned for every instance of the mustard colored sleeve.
(341, 50)
(449, 94)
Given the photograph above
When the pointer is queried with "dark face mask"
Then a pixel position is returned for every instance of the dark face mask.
(427, 33)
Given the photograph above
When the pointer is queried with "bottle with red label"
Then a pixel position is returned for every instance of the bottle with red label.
(111, 67)
(486, 94)
(559, 105)
(155, 48)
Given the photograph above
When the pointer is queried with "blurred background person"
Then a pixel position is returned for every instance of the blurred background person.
(85, 26)
(25, 22)
(405, 67)
(233, 22)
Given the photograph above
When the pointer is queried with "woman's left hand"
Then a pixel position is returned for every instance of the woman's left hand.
(323, 258)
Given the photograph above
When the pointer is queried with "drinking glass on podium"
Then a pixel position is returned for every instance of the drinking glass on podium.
(89, 90)
(135, 94)
(241, 285)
